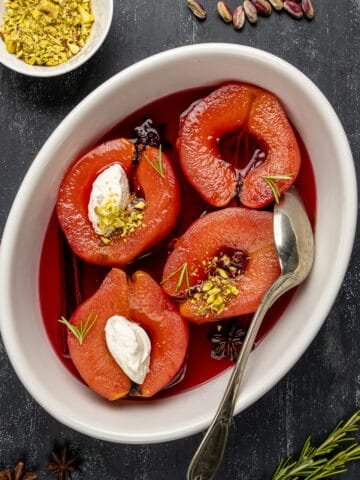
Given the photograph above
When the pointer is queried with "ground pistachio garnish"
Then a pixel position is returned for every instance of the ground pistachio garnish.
(219, 286)
(119, 222)
(46, 32)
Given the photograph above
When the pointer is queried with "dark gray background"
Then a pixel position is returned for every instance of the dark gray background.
(324, 386)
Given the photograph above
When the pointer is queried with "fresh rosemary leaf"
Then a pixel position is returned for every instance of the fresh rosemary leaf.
(271, 181)
(326, 460)
(158, 165)
(183, 272)
(83, 329)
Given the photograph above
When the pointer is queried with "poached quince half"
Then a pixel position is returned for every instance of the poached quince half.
(150, 212)
(234, 140)
(139, 299)
(222, 265)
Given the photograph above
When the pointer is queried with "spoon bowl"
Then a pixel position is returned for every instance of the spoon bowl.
(292, 228)
(294, 244)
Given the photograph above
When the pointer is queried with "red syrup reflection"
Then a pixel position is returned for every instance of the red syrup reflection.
(65, 281)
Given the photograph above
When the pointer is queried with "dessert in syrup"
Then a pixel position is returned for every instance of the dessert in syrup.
(175, 225)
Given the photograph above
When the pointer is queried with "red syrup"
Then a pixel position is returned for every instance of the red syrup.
(65, 281)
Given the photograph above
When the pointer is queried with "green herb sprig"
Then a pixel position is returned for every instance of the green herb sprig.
(183, 273)
(271, 181)
(83, 329)
(326, 460)
(158, 166)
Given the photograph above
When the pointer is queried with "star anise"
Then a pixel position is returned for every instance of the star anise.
(227, 341)
(63, 464)
(17, 474)
(146, 134)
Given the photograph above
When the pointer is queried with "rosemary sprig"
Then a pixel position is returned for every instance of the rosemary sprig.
(83, 329)
(315, 463)
(183, 272)
(158, 165)
(271, 181)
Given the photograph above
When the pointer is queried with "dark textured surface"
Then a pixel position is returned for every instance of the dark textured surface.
(324, 386)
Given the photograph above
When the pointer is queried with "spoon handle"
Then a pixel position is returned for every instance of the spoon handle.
(209, 455)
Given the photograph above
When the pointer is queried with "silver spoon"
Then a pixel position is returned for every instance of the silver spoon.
(294, 244)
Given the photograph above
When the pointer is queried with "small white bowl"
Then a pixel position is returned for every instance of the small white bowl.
(103, 12)
(22, 328)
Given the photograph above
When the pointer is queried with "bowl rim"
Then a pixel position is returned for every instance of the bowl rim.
(37, 71)
(350, 216)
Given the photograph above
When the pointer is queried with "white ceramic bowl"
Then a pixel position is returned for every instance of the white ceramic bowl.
(22, 327)
(103, 12)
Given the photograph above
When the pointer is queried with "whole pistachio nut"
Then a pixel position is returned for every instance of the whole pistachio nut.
(250, 11)
(197, 9)
(263, 7)
(277, 4)
(293, 8)
(308, 8)
(238, 19)
(225, 12)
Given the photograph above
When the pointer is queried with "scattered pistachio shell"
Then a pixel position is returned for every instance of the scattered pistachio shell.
(250, 11)
(293, 8)
(308, 8)
(263, 7)
(225, 12)
(197, 9)
(277, 4)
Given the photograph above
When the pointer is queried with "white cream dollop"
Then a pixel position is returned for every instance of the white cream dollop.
(130, 347)
(110, 190)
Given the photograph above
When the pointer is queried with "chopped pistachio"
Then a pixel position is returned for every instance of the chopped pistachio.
(222, 272)
(10, 45)
(206, 286)
(210, 299)
(86, 16)
(218, 288)
(46, 32)
(218, 302)
(139, 204)
(105, 240)
(49, 8)
(114, 221)
(74, 49)
(214, 291)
